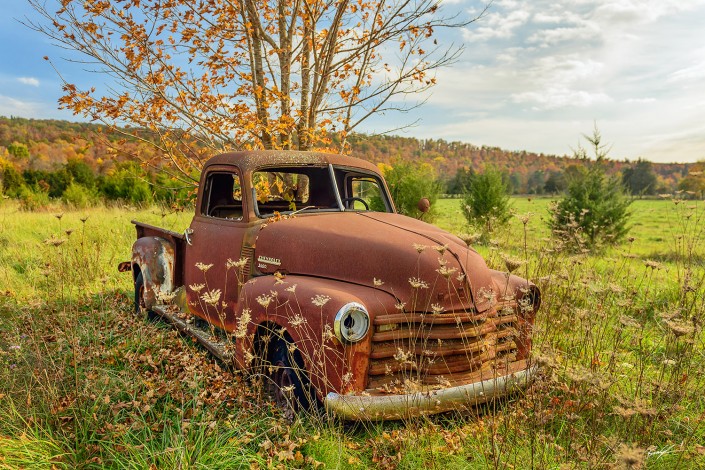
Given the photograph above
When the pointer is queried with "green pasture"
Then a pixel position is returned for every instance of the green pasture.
(84, 383)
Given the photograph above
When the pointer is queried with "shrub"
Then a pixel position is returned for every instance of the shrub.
(78, 196)
(173, 192)
(33, 200)
(640, 178)
(12, 181)
(80, 172)
(595, 209)
(486, 200)
(54, 182)
(408, 183)
(128, 183)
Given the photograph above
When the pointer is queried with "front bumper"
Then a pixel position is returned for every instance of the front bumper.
(389, 407)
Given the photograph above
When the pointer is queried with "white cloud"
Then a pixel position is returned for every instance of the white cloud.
(688, 74)
(28, 81)
(640, 100)
(13, 107)
(537, 74)
(560, 97)
(496, 26)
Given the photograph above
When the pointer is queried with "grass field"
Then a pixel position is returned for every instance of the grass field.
(84, 383)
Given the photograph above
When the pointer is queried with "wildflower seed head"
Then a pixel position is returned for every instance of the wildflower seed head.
(319, 300)
(652, 264)
(512, 264)
(488, 294)
(436, 308)
(249, 357)
(236, 264)
(297, 321)
(164, 297)
(68, 232)
(440, 248)
(53, 241)
(626, 320)
(419, 248)
(328, 333)
(203, 267)
(264, 300)
(242, 323)
(445, 271)
(679, 328)
(291, 289)
(400, 306)
(212, 297)
(470, 239)
(83, 219)
(417, 283)
(630, 456)
(196, 287)
(377, 282)
(59, 216)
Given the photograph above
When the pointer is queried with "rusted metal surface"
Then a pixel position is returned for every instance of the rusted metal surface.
(440, 319)
(155, 258)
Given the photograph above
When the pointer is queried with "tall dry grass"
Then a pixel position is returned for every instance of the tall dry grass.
(84, 383)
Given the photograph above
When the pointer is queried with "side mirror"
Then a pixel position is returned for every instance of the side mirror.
(424, 205)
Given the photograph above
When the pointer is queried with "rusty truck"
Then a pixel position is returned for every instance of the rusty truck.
(297, 267)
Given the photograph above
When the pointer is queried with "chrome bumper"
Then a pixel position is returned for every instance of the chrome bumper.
(360, 407)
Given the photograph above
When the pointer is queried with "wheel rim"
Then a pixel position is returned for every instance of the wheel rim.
(283, 383)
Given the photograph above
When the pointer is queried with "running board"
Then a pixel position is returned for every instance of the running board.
(220, 349)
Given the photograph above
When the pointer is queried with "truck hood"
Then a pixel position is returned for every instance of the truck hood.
(423, 266)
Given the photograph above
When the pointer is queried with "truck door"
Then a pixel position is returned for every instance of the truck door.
(212, 272)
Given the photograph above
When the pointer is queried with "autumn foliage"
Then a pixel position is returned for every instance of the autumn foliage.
(241, 74)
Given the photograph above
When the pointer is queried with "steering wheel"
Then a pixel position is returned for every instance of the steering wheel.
(364, 203)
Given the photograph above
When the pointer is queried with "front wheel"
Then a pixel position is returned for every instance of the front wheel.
(291, 388)
(140, 305)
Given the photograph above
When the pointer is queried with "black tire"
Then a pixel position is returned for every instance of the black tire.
(291, 388)
(139, 300)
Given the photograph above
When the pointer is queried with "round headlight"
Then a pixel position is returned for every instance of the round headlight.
(351, 323)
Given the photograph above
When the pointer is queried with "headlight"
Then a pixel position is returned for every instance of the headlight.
(351, 323)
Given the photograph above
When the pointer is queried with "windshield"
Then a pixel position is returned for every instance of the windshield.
(312, 188)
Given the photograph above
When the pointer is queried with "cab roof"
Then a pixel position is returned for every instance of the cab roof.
(255, 159)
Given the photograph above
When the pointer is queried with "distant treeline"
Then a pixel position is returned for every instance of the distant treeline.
(82, 163)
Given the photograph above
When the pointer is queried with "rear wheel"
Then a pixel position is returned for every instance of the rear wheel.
(140, 305)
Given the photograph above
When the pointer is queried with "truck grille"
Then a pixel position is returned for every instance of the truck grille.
(414, 350)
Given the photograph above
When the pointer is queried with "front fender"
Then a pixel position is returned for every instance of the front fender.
(306, 308)
(154, 257)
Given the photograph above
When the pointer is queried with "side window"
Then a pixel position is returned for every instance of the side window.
(364, 193)
(223, 196)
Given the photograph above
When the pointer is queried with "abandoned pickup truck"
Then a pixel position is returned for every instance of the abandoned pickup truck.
(297, 266)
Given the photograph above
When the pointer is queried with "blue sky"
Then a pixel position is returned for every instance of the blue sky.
(534, 75)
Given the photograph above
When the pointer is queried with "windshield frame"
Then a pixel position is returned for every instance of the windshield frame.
(337, 176)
